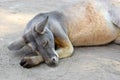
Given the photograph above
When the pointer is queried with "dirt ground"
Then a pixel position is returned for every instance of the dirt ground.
(87, 63)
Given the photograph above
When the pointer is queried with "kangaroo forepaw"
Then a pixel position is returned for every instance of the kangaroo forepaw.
(28, 62)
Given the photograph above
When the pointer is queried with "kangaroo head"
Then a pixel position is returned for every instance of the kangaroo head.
(40, 38)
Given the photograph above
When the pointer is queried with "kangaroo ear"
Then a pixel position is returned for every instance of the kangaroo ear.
(17, 44)
(40, 28)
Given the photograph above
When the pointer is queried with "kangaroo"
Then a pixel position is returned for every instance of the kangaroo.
(52, 35)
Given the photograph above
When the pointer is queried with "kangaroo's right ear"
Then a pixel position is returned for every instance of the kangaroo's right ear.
(40, 27)
(17, 44)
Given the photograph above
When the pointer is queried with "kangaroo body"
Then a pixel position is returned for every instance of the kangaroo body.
(85, 23)
(90, 25)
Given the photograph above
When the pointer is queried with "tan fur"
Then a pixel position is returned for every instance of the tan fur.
(60, 43)
(66, 48)
(32, 61)
(89, 24)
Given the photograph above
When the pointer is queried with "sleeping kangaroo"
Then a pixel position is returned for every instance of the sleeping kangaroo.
(52, 35)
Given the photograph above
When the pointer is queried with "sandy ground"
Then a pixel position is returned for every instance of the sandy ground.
(87, 63)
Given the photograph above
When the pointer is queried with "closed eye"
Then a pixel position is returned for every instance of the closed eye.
(45, 43)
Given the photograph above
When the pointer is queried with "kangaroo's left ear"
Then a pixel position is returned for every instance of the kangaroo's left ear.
(17, 44)
(40, 28)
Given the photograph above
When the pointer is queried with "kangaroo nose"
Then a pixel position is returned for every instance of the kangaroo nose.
(54, 61)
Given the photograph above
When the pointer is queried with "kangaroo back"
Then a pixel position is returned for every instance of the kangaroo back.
(90, 22)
